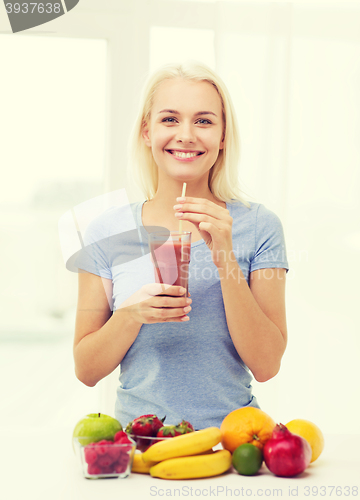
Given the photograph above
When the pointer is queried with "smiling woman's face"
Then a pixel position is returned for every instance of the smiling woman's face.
(185, 131)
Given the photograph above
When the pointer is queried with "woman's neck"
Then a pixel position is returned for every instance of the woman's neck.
(165, 196)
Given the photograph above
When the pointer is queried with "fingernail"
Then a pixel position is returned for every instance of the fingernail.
(185, 318)
(181, 198)
(182, 290)
(179, 214)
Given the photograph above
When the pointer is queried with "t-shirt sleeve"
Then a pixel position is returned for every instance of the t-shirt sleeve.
(94, 255)
(270, 249)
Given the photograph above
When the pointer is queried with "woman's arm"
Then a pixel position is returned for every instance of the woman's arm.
(256, 317)
(101, 338)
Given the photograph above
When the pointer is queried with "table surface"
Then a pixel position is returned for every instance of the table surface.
(40, 464)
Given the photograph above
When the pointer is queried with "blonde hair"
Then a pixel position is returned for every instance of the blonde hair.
(223, 176)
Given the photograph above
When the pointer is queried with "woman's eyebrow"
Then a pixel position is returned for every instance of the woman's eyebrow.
(199, 113)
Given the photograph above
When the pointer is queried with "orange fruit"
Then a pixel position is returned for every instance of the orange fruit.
(246, 425)
(311, 433)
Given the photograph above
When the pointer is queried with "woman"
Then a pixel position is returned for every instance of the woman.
(186, 361)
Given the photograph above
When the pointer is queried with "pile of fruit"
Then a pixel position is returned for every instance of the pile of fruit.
(108, 457)
(149, 429)
(253, 437)
(184, 457)
(181, 453)
(248, 437)
(104, 447)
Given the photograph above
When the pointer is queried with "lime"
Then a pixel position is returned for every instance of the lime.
(247, 459)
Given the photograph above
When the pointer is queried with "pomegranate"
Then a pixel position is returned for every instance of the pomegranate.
(286, 454)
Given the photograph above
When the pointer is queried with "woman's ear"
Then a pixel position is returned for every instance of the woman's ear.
(222, 143)
(146, 135)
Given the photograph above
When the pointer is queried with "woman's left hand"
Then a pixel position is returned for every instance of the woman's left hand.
(213, 222)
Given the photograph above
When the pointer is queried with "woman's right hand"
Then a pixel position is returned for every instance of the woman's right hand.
(153, 304)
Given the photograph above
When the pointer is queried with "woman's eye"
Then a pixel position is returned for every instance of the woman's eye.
(204, 121)
(169, 119)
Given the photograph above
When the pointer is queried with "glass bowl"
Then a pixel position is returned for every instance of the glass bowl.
(144, 442)
(105, 458)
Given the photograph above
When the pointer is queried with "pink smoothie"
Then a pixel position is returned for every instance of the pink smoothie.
(172, 262)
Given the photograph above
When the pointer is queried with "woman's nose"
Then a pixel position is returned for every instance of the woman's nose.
(185, 133)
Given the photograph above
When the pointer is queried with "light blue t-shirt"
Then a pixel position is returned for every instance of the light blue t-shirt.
(187, 370)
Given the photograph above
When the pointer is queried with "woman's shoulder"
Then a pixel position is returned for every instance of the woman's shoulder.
(241, 209)
(250, 209)
(254, 217)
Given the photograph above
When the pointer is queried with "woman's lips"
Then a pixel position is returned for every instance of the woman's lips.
(184, 155)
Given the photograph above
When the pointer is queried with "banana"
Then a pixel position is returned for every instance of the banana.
(193, 467)
(182, 446)
(140, 466)
(207, 452)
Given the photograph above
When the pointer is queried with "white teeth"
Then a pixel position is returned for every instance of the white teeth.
(184, 155)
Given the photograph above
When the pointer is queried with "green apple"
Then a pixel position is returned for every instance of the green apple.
(95, 427)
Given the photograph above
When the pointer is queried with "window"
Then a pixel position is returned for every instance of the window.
(52, 99)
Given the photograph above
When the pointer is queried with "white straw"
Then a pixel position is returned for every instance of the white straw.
(182, 194)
